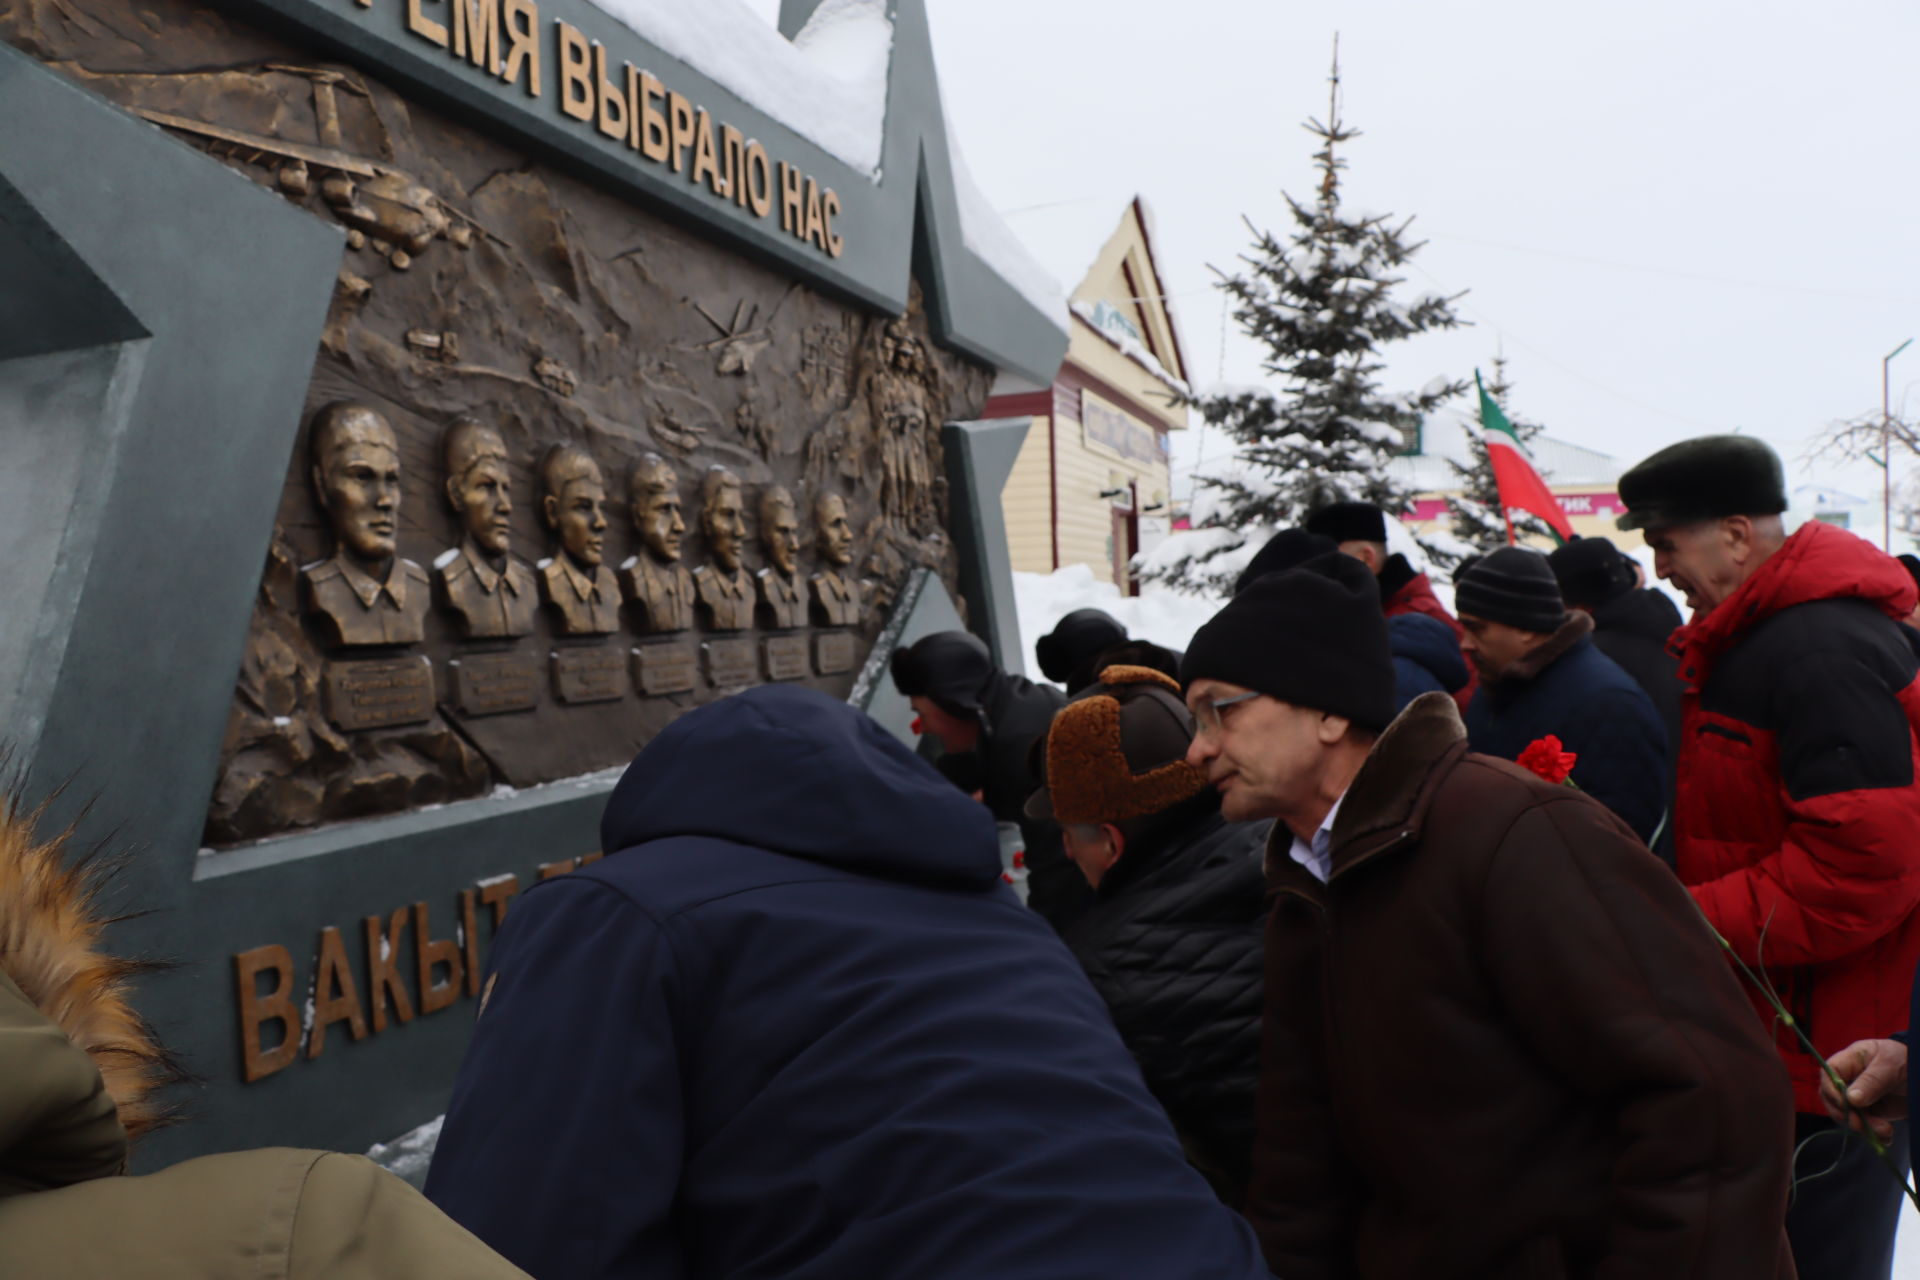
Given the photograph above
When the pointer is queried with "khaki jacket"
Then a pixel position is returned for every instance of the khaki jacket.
(69, 1211)
(1501, 1044)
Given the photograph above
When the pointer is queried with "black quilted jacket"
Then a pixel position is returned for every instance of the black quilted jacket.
(1172, 944)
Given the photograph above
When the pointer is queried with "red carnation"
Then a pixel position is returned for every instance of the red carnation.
(1544, 757)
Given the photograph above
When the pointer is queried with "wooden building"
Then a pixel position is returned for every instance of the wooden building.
(1093, 483)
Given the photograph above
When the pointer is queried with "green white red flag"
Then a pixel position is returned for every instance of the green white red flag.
(1520, 486)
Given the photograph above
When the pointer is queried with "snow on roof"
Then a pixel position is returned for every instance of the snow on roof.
(1561, 462)
(828, 84)
(1129, 346)
(994, 243)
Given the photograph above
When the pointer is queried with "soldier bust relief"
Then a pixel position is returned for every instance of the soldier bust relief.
(581, 589)
(655, 577)
(725, 587)
(481, 580)
(836, 594)
(780, 586)
(364, 594)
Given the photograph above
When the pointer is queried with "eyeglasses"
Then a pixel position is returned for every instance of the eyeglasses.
(1206, 712)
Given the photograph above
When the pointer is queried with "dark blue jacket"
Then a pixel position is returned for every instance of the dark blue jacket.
(794, 1025)
(1426, 658)
(1570, 690)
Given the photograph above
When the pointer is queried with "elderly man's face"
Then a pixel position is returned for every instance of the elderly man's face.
(657, 513)
(359, 485)
(485, 505)
(1494, 647)
(726, 526)
(1699, 560)
(579, 520)
(1265, 757)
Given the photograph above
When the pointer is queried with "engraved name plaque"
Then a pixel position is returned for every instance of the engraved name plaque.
(379, 692)
(787, 658)
(487, 684)
(731, 664)
(664, 668)
(589, 675)
(833, 652)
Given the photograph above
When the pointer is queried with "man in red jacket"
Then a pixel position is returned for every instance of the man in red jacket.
(1796, 803)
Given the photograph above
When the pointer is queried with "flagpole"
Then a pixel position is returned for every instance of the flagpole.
(1509, 515)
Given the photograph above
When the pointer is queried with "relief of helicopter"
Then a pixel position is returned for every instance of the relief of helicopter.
(378, 202)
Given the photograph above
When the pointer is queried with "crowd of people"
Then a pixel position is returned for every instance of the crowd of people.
(1548, 937)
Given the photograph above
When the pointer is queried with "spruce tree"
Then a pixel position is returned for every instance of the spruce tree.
(1322, 304)
(1477, 518)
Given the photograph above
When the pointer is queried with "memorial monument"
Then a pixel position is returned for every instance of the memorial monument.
(402, 282)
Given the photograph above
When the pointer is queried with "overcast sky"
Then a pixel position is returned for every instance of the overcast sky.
(1674, 218)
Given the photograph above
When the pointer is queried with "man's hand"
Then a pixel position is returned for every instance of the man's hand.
(1875, 1072)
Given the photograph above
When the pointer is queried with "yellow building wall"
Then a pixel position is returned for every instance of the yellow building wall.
(1028, 503)
(1086, 519)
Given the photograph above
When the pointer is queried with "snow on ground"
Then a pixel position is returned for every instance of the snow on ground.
(408, 1155)
(828, 84)
(1165, 617)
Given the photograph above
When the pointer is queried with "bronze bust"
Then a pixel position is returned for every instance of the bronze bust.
(725, 587)
(780, 587)
(365, 593)
(481, 579)
(836, 594)
(655, 577)
(581, 589)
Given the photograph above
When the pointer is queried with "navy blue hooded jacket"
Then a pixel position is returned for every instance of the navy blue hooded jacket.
(1426, 658)
(794, 1025)
(1570, 690)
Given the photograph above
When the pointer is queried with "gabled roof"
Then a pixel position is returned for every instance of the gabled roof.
(1122, 296)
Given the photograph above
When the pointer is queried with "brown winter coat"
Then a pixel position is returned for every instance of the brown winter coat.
(68, 1210)
(1501, 1044)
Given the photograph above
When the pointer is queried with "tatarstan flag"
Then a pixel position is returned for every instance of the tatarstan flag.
(1520, 486)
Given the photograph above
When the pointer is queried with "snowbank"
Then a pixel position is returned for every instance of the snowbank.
(828, 84)
(1165, 617)
(408, 1155)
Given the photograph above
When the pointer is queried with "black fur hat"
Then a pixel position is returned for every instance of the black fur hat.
(1703, 479)
(1349, 522)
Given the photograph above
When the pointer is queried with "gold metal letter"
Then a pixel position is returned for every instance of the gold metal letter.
(680, 112)
(704, 160)
(816, 232)
(759, 180)
(476, 32)
(275, 1006)
(523, 45)
(421, 25)
(733, 158)
(576, 72)
(653, 123)
(793, 207)
(835, 243)
(336, 996)
(430, 952)
(383, 976)
(613, 104)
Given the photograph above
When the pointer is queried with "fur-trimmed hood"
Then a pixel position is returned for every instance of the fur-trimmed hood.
(51, 933)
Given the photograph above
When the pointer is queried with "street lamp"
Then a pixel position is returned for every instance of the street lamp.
(1886, 452)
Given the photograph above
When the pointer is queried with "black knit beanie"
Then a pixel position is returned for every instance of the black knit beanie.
(1074, 639)
(1349, 522)
(951, 667)
(1313, 636)
(1515, 586)
(1591, 572)
(1285, 550)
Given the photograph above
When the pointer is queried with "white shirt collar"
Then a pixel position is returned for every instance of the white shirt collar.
(1317, 856)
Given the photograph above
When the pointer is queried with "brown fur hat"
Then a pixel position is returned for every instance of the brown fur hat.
(1117, 751)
